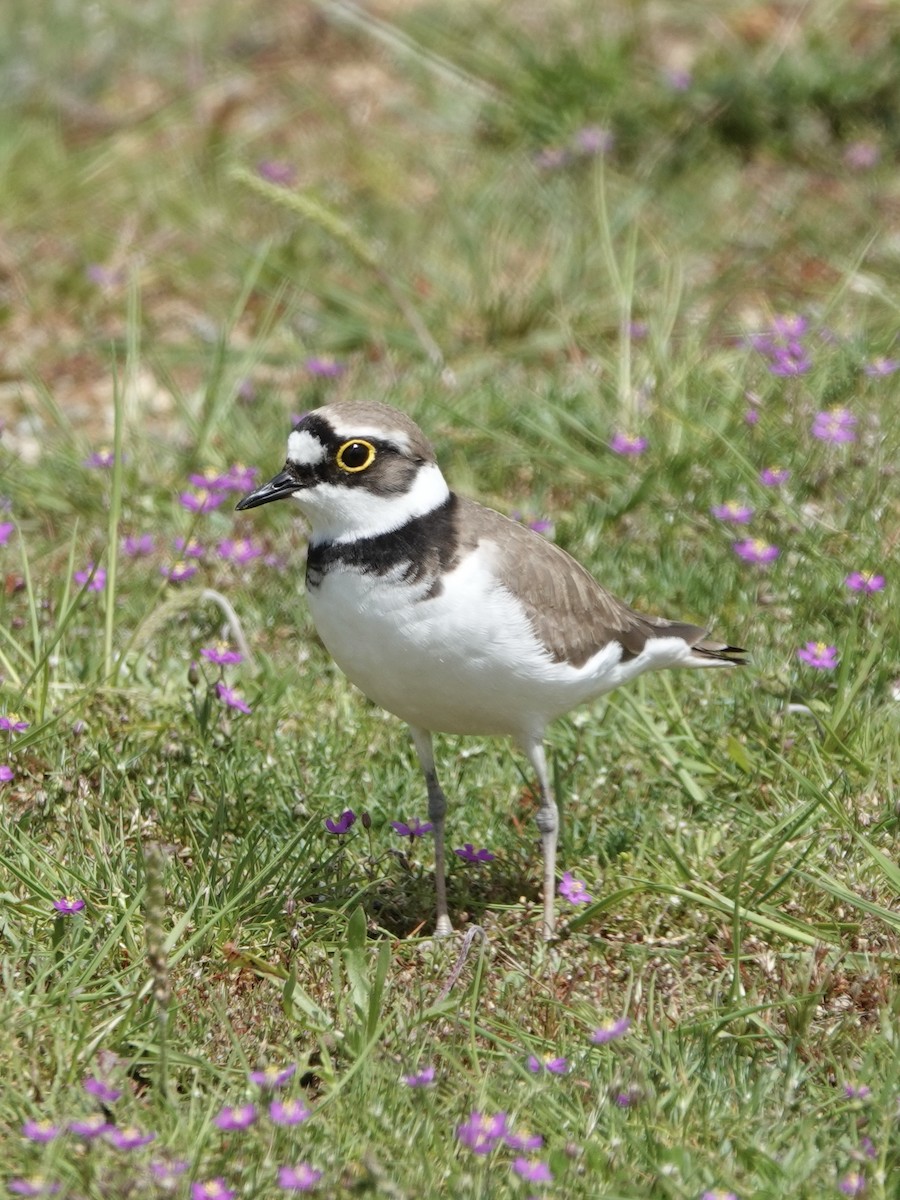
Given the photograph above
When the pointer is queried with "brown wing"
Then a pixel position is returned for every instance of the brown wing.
(571, 613)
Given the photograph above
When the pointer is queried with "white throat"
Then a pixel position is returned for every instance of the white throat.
(338, 513)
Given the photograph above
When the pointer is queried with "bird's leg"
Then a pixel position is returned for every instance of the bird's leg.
(548, 824)
(437, 807)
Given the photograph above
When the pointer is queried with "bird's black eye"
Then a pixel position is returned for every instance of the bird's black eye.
(355, 456)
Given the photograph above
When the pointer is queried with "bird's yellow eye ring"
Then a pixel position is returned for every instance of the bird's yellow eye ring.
(355, 455)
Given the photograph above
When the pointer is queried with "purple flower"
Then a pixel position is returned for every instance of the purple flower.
(6, 773)
(273, 1077)
(104, 457)
(792, 359)
(469, 854)
(638, 330)
(573, 890)
(555, 1066)
(230, 697)
(96, 576)
(104, 277)
(6, 528)
(532, 1170)
(857, 1091)
(415, 830)
(274, 170)
(210, 479)
(523, 1140)
(324, 368)
(342, 823)
(819, 655)
(790, 325)
(101, 1090)
(138, 545)
(879, 367)
(178, 572)
(718, 1194)
(40, 1131)
(835, 425)
(481, 1134)
(34, 1185)
(864, 581)
(239, 478)
(298, 1179)
(239, 550)
(594, 139)
(191, 549)
(774, 476)
(624, 443)
(91, 1126)
(862, 155)
(129, 1138)
(212, 1189)
(234, 1119)
(610, 1031)
(201, 501)
(13, 722)
(68, 905)
(419, 1078)
(755, 550)
(289, 1112)
(733, 511)
(751, 416)
(221, 655)
(167, 1173)
(853, 1184)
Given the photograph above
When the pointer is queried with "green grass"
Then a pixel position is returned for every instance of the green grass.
(737, 835)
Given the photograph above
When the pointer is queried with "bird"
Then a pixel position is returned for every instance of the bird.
(451, 616)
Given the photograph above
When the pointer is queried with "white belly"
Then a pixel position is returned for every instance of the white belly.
(465, 661)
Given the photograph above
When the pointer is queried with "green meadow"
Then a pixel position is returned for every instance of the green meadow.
(634, 269)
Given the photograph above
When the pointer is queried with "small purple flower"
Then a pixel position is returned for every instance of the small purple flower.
(790, 325)
(867, 1147)
(342, 823)
(733, 511)
(212, 1189)
(178, 572)
(573, 890)
(273, 1077)
(40, 1131)
(532, 1170)
(6, 773)
(129, 1138)
(240, 550)
(6, 528)
(274, 170)
(301, 1178)
(879, 367)
(104, 277)
(481, 1134)
(853, 1184)
(239, 478)
(857, 1091)
(96, 576)
(201, 501)
(555, 1066)
(289, 1112)
(414, 830)
(167, 1173)
(638, 330)
(789, 360)
(236, 1118)
(864, 581)
(34, 1185)
(100, 1089)
(718, 1194)
(751, 416)
(210, 479)
(189, 549)
(624, 443)
(103, 458)
(138, 545)
(12, 722)
(230, 697)
(68, 905)
(594, 139)
(819, 655)
(523, 1139)
(610, 1031)
(755, 550)
(469, 854)
(221, 655)
(835, 425)
(91, 1126)
(419, 1079)
(774, 476)
(324, 368)
(862, 155)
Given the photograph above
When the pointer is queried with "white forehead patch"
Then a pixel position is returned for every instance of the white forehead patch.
(304, 449)
(397, 436)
